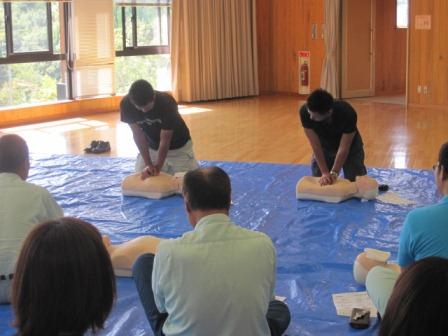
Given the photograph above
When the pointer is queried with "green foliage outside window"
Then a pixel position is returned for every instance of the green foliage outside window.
(25, 83)
(28, 82)
(153, 68)
(29, 27)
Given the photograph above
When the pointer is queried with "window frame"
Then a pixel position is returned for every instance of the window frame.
(31, 56)
(135, 49)
(41, 56)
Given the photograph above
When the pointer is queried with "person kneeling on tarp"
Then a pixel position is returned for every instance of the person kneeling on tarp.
(330, 127)
(161, 135)
(215, 280)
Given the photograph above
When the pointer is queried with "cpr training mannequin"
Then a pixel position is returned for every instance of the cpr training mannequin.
(308, 188)
(368, 259)
(154, 187)
(124, 255)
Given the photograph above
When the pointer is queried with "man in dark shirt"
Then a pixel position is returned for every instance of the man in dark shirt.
(330, 127)
(160, 133)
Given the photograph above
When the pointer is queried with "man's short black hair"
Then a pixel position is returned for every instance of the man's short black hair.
(207, 189)
(320, 101)
(141, 92)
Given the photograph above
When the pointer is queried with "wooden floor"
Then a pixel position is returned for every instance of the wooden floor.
(261, 129)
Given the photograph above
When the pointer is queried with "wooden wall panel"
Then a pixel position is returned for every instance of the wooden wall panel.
(283, 28)
(75, 108)
(428, 54)
(264, 43)
(390, 56)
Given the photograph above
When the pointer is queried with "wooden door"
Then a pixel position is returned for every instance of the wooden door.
(358, 61)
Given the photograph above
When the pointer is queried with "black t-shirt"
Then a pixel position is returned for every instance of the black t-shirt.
(343, 120)
(163, 116)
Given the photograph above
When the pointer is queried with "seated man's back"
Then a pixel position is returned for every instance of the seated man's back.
(22, 205)
(215, 280)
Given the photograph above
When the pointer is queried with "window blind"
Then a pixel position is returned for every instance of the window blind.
(93, 49)
(156, 3)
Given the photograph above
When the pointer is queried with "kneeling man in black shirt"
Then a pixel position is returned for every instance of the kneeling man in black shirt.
(330, 126)
(160, 133)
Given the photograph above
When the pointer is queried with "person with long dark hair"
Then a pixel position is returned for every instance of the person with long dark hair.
(64, 282)
(417, 305)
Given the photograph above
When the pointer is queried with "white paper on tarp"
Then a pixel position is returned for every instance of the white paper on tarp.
(392, 198)
(280, 298)
(345, 302)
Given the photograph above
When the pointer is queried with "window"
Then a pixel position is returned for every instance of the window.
(402, 13)
(32, 56)
(142, 43)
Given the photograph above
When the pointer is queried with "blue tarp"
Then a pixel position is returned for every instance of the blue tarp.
(316, 242)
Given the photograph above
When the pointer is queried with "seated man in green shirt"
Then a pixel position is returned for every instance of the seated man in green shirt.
(217, 279)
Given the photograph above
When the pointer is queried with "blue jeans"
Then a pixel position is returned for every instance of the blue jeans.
(278, 315)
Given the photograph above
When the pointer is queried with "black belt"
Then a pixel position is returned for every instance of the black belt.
(6, 277)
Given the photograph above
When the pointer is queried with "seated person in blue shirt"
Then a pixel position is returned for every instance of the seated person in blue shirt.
(424, 234)
(217, 279)
(417, 305)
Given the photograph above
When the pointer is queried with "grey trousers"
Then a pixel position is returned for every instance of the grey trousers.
(177, 160)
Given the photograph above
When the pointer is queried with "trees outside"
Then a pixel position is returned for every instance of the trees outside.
(26, 83)
(152, 30)
(22, 83)
(153, 68)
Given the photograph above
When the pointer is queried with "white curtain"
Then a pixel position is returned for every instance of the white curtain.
(213, 49)
(330, 69)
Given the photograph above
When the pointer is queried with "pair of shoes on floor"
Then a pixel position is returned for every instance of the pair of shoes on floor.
(98, 147)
